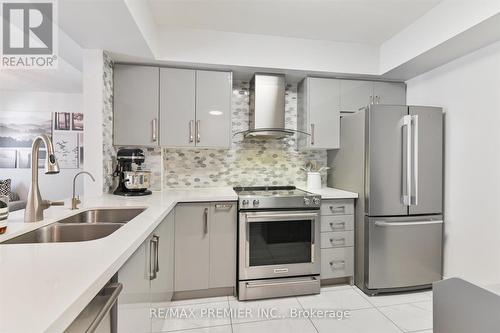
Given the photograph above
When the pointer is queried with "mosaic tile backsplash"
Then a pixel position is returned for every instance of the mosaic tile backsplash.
(249, 161)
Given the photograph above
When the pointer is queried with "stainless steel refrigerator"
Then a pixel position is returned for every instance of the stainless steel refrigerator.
(392, 155)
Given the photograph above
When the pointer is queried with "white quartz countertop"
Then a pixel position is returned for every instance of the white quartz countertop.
(43, 287)
(333, 193)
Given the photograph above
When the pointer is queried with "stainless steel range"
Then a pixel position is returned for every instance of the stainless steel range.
(278, 236)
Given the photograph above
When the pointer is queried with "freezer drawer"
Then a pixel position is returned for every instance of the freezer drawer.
(403, 252)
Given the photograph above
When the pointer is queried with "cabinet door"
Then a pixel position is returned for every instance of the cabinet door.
(162, 287)
(213, 109)
(191, 246)
(134, 300)
(324, 113)
(135, 118)
(177, 107)
(222, 223)
(355, 94)
(392, 93)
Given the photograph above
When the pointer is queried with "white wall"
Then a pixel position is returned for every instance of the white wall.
(93, 119)
(52, 187)
(469, 91)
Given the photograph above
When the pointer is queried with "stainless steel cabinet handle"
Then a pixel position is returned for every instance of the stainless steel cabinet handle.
(223, 206)
(156, 239)
(405, 224)
(205, 221)
(337, 264)
(333, 208)
(338, 225)
(415, 159)
(154, 130)
(153, 257)
(312, 134)
(198, 134)
(337, 240)
(115, 289)
(377, 99)
(407, 195)
(191, 125)
(371, 99)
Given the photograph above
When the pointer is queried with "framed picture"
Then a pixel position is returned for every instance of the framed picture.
(62, 121)
(77, 122)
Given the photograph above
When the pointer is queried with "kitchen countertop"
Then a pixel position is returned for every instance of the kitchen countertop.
(43, 287)
(333, 193)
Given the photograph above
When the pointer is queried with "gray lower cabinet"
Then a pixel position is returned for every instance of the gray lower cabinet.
(147, 278)
(355, 94)
(136, 101)
(337, 239)
(205, 246)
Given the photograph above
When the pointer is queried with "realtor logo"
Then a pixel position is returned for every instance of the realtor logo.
(28, 34)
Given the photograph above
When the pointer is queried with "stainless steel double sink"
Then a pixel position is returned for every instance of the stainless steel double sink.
(87, 225)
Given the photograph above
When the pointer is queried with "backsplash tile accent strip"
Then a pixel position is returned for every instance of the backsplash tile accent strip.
(248, 162)
(108, 150)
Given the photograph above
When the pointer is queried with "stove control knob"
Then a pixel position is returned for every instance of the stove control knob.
(244, 202)
(256, 203)
(317, 201)
(307, 201)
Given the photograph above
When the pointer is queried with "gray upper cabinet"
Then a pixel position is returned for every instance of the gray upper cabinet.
(355, 94)
(177, 107)
(205, 246)
(195, 108)
(136, 99)
(319, 113)
(393, 93)
(213, 109)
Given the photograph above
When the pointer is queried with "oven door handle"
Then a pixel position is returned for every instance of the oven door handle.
(257, 217)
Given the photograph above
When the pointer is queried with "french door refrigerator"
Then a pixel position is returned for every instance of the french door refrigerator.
(392, 155)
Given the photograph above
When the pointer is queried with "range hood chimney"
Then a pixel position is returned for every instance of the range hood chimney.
(267, 107)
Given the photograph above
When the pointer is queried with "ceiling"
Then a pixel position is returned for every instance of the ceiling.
(357, 21)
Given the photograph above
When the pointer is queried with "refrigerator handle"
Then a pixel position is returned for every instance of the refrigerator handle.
(407, 194)
(415, 159)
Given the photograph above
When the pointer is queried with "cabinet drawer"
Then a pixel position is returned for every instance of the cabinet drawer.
(337, 262)
(337, 239)
(337, 207)
(337, 223)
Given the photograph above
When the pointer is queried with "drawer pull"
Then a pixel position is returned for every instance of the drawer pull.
(340, 240)
(339, 208)
(337, 225)
(337, 264)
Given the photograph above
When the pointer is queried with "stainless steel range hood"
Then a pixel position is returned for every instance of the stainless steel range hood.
(267, 107)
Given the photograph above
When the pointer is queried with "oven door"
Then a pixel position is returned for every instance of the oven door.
(278, 244)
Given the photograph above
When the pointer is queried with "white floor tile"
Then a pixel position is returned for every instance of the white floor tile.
(400, 298)
(426, 331)
(276, 326)
(410, 317)
(336, 287)
(198, 301)
(360, 321)
(341, 299)
(202, 317)
(213, 329)
(249, 311)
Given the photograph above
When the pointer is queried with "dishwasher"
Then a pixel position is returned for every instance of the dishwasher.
(100, 315)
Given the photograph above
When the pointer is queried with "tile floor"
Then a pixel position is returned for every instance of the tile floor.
(411, 312)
